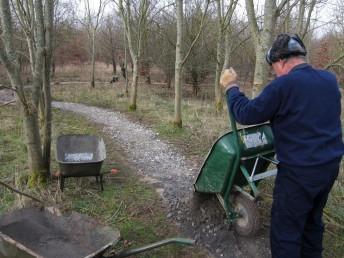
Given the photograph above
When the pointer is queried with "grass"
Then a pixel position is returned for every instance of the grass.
(201, 126)
(12, 153)
(126, 203)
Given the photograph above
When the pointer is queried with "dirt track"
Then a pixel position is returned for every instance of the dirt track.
(172, 175)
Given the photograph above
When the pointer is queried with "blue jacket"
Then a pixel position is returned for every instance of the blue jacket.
(304, 109)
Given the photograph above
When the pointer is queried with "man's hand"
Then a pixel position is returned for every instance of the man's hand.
(228, 78)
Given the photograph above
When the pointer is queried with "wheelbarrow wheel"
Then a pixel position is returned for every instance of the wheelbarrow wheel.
(248, 221)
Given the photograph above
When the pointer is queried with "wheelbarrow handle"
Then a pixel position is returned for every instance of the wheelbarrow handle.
(229, 179)
(145, 248)
(232, 121)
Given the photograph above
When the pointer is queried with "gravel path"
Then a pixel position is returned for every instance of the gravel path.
(160, 164)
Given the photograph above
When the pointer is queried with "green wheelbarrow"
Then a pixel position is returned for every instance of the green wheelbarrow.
(232, 170)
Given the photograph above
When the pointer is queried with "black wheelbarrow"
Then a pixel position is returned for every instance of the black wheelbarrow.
(33, 232)
(80, 156)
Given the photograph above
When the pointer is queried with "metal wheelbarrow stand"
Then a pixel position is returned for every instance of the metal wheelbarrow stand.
(232, 170)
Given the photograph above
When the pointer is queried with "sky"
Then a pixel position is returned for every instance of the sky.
(323, 12)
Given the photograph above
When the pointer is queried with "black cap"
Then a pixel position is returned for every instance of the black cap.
(284, 46)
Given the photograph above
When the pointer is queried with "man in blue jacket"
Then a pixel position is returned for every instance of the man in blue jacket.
(303, 106)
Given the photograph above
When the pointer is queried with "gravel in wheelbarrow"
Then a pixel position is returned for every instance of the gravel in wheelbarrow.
(32, 232)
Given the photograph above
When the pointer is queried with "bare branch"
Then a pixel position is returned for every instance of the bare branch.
(335, 62)
(230, 11)
(310, 11)
(165, 36)
(278, 11)
(7, 103)
(282, 4)
(19, 192)
(7, 88)
(201, 27)
(334, 65)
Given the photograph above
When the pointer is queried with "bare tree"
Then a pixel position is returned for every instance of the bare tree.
(109, 41)
(35, 18)
(131, 26)
(91, 21)
(224, 18)
(64, 21)
(262, 36)
(337, 61)
(200, 62)
(163, 39)
(46, 97)
(304, 16)
(180, 59)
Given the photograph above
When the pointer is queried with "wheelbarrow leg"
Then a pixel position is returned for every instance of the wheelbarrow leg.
(61, 182)
(101, 183)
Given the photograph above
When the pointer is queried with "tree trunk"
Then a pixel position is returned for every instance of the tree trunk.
(228, 49)
(126, 64)
(195, 88)
(93, 59)
(301, 15)
(178, 96)
(135, 53)
(34, 150)
(168, 80)
(262, 40)
(113, 51)
(47, 120)
(31, 101)
(133, 93)
(49, 14)
(53, 68)
(148, 79)
(219, 54)
(178, 66)
(261, 71)
(147, 72)
(114, 70)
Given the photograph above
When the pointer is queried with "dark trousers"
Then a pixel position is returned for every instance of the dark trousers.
(299, 197)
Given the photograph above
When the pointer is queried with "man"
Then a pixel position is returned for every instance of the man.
(303, 106)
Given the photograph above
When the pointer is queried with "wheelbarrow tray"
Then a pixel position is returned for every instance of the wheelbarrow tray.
(218, 165)
(80, 155)
(32, 232)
